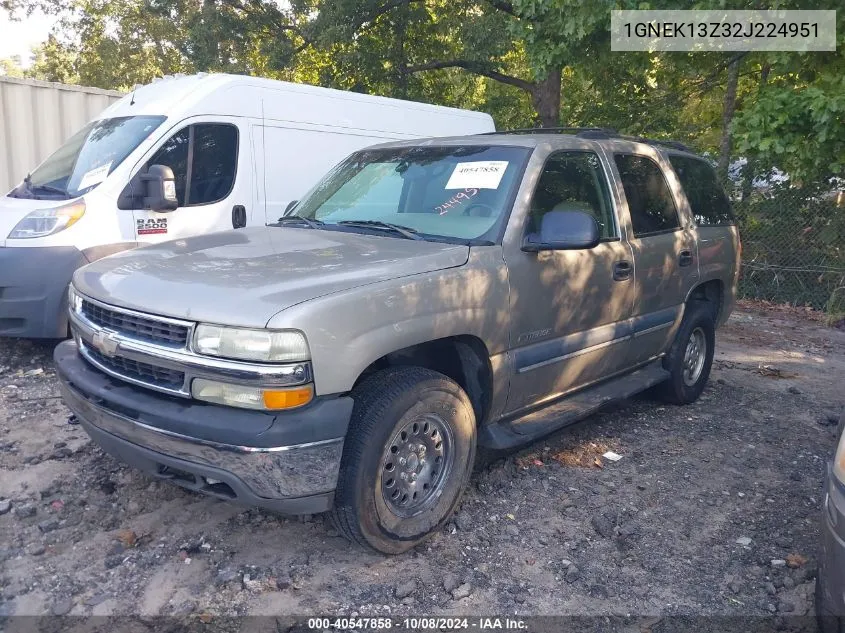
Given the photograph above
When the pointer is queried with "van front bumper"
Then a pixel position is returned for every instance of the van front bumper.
(33, 290)
(284, 462)
(830, 586)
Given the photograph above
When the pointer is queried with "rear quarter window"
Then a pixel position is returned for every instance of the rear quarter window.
(707, 198)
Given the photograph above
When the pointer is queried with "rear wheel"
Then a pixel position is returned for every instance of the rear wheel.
(691, 356)
(408, 457)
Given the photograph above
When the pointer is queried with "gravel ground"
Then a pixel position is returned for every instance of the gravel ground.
(712, 510)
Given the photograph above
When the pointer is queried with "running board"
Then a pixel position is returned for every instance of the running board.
(570, 409)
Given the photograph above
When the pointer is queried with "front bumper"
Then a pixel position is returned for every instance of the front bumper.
(286, 462)
(33, 290)
(831, 580)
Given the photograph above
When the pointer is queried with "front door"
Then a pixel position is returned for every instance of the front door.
(213, 171)
(568, 308)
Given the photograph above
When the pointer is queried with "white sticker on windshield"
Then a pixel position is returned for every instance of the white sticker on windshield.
(94, 177)
(482, 174)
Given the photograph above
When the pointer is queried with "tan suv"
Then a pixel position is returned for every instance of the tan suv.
(424, 298)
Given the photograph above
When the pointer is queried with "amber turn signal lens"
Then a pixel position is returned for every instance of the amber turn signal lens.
(288, 398)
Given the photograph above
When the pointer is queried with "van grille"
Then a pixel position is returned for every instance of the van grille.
(140, 372)
(134, 326)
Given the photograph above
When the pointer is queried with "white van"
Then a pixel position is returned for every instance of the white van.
(179, 157)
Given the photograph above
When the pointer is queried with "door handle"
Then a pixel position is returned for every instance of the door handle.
(238, 216)
(685, 258)
(622, 270)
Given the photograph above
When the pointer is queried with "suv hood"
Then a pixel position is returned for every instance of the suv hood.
(245, 277)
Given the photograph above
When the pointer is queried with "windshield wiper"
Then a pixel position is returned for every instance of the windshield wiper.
(290, 219)
(405, 231)
(43, 188)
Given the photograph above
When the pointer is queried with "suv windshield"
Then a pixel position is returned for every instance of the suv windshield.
(457, 193)
(87, 157)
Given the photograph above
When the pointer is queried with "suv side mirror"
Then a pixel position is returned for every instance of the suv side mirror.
(563, 230)
(159, 189)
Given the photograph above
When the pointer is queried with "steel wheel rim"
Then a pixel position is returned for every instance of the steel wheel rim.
(694, 357)
(415, 465)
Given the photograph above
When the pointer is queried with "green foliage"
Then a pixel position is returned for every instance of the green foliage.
(800, 129)
(11, 67)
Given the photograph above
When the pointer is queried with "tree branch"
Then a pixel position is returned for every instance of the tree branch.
(477, 68)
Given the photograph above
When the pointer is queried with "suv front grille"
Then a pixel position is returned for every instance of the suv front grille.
(140, 372)
(142, 328)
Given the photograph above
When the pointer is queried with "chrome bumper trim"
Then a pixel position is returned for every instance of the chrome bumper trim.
(274, 473)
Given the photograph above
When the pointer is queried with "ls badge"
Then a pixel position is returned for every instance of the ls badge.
(105, 343)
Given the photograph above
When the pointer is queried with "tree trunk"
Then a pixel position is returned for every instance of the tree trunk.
(750, 169)
(400, 56)
(728, 110)
(545, 96)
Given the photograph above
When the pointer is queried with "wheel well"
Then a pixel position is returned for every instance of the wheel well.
(711, 292)
(464, 359)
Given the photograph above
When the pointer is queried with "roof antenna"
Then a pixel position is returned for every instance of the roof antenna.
(132, 100)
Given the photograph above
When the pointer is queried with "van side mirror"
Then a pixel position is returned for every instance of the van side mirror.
(159, 189)
(563, 231)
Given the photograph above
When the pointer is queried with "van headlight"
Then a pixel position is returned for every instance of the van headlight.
(44, 222)
(839, 460)
(247, 344)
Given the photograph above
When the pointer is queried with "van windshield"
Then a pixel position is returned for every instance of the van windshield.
(87, 158)
(457, 193)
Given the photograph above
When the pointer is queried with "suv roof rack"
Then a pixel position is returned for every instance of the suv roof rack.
(586, 132)
(663, 143)
(596, 133)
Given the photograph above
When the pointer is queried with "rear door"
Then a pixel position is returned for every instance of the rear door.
(663, 242)
(211, 162)
(718, 237)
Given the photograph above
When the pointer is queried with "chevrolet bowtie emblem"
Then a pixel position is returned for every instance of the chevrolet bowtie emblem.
(105, 343)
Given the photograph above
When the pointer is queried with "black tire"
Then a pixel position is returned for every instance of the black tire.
(828, 623)
(677, 389)
(386, 404)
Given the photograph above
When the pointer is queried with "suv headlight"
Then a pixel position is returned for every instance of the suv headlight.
(74, 301)
(43, 222)
(839, 460)
(247, 344)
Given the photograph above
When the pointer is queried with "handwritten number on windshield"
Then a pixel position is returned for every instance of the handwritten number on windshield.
(456, 201)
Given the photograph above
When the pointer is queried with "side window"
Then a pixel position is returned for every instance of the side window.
(650, 201)
(210, 173)
(707, 199)
(573, 181)
(215, 163)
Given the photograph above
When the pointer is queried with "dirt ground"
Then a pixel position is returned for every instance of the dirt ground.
(713, 510)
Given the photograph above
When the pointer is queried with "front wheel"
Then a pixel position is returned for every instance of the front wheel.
(691, 356)
(408, 457)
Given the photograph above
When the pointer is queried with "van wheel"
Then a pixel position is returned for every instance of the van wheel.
(408, 456)
(691, 356)
(828, 623)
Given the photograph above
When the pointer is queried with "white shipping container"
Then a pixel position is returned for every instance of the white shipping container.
(36, 117)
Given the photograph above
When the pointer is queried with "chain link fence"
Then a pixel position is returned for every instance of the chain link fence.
(793, 243)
